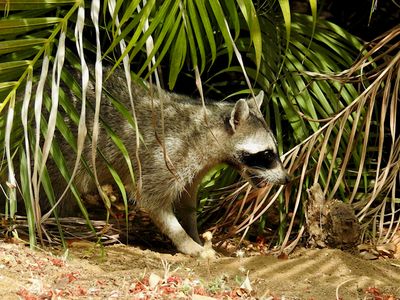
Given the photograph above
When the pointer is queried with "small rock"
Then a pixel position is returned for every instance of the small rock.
(368, 255)
(154, 280)
(246, 285)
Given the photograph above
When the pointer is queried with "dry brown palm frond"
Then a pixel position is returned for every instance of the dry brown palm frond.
(115, 230)
(74, 228)
(354, 155)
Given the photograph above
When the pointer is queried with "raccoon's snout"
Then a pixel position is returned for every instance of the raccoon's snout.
(263, 167)
(260, 178)
(286, 178)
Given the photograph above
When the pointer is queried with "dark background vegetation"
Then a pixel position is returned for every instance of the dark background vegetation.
(365, 19)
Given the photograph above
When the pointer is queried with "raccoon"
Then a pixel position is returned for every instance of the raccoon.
(181, 140)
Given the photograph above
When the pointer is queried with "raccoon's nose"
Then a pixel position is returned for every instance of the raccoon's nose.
(288, 178)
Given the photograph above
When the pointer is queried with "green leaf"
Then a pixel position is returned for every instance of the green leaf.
(129, 12)
(233, 19)
(284, 4)
(205, 19)
(193, 17)
(33, 4)
(250, 15)
(12, 69)
(222, 24)
(190, 38)
(178, 56)
(166, 48)
(172, 20)
(19, 26)
(15, 45)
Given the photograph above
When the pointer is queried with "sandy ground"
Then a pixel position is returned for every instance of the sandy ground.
(88, 271)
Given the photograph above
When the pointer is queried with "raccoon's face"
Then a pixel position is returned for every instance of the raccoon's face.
(254, 146)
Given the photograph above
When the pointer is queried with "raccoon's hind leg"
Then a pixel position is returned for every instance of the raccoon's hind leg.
(165, 219)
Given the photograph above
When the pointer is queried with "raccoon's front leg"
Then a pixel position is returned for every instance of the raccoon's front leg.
(189, 222)
(187, 212)
(165, 219)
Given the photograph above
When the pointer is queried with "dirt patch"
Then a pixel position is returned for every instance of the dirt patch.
(121, 272)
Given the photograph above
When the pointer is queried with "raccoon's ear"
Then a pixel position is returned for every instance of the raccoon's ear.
(239, 113)
(259, 99)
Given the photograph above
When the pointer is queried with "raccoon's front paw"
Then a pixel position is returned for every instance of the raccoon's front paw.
(208, 254)
(201, 252)
(191, 248)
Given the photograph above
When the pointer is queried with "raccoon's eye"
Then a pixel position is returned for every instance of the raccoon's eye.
(263, 159)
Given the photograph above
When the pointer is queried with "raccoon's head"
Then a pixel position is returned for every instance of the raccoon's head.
(254, 148)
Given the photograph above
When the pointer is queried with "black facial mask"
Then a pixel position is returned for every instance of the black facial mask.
(261, 160)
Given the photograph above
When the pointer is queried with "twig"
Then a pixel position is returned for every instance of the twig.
(337, 288)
